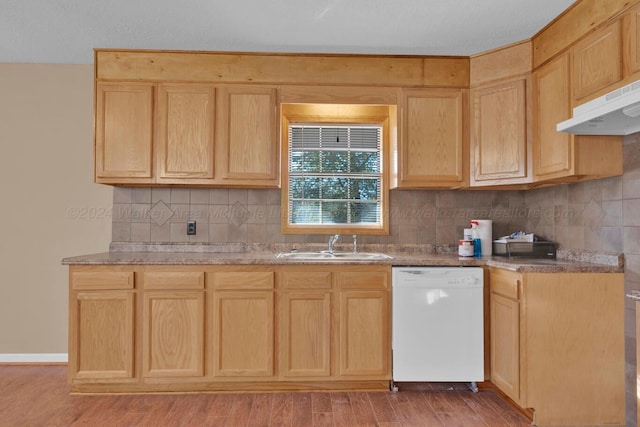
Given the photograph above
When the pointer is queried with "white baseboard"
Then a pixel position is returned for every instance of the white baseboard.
(34, 358)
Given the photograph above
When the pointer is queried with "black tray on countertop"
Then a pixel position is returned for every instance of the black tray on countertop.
(525, 249)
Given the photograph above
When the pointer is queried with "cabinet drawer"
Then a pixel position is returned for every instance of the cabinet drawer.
(173, 280)
(505, 283)
(242, 280)
(363, 280)
(102, 279)
(306, 280)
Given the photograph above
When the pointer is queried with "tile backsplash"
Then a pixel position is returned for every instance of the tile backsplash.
(253, 216)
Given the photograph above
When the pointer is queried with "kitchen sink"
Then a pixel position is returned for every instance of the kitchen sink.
(334, 256)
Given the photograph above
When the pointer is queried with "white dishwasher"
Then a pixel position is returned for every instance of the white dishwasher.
(438, 324)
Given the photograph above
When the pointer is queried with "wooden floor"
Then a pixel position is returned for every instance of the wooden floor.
(39, 396)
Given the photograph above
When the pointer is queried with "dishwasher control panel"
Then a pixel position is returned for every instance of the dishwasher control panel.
(456, 276)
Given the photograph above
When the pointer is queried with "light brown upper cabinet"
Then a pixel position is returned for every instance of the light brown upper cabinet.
(559, 156)
(189, 134)
(248, 150)
(596, 63)
(553, 150)
(431, 144)
(185, 128)
(499, 134)
(124, 133)
(213, 119)
(631, 42)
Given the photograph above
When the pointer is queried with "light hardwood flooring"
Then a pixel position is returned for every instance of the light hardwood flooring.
(40, 396)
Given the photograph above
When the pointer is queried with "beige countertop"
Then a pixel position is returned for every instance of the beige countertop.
(402, 255)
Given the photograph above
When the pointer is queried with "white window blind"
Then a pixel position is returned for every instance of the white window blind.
(335, 174)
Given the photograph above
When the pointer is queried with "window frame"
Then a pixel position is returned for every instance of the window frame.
(382, 115)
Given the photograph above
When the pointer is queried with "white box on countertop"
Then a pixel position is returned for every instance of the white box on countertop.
(485, 230)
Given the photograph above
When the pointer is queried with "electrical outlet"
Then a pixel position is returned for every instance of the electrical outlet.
(191, 228)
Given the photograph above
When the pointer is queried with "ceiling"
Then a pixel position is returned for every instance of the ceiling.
(66, 31)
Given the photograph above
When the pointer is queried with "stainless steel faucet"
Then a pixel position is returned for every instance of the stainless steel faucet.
(332, 241)
(355, 244)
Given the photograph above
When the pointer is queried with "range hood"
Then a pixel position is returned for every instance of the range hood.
(616, 113)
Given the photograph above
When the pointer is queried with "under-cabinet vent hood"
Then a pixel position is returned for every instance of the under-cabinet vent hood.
(616, 113)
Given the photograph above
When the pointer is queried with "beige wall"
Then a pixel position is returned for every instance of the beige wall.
(46, 116)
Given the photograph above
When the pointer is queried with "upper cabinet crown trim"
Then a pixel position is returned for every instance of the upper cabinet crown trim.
(254, 68)
(583, 17)
(504, 62)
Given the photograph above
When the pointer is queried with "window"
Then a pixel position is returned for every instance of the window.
(335, 174)
(335, 180)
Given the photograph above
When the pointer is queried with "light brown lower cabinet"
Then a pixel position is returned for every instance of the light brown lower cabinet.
(364, 333)
(306, 303)
(557, 345)
(243, 322)
(306, 334)
(104, 335)
(173, 324)
(101, 325)
(173, 334)
(243, 333)
(197, 328)
(505, 333)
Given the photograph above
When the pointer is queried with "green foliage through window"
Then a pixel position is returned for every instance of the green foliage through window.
(335, 174)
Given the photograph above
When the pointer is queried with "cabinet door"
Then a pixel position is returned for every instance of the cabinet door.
(185, 132)
(505, 345)
(173, 334)
(499, 137)
(101, 336)
(552, 150)
(305, 334)
(123, 132)
(430, 149)
(364, 334)
(248, 145)
(597, 62)
(243, 333)
(631, 41)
